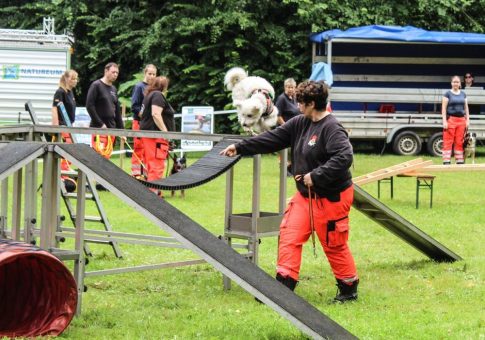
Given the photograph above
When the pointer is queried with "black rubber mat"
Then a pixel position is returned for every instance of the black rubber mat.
(398, 225)
(202, 171)
(208, 246)
(13, 154)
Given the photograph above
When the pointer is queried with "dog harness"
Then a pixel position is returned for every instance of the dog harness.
(269, 101)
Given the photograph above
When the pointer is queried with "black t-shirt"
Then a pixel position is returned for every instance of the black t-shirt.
(67, 98)
(321, 148)
(147, 122)
(287, 108)
(103, 105)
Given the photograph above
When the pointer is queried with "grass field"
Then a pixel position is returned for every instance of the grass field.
(402, 294)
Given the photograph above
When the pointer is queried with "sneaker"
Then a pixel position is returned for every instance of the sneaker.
(346, 292)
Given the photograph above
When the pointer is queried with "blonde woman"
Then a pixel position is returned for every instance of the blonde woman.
(65, 95)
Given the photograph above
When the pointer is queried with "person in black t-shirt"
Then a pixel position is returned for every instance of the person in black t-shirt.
(104, 109)
(64, 94)
(286, 102)
(156, 114)
(321, 158)
(287, 109)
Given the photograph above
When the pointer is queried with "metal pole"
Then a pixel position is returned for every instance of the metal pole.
(50, 198)
(227, 217)
(79, 238)
(254, 241)
(283, 170)
(3, 208)
(16, 204)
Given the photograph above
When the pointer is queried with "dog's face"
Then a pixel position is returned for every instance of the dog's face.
(179, 164)
(471, 139)
(250, 110)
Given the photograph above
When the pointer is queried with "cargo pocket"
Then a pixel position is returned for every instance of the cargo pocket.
(337, 232)
(286, 216)
(161, 150)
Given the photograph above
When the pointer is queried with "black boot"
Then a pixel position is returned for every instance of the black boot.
(346, 292)
(287, 281)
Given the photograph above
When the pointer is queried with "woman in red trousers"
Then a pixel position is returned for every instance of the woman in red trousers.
(321, 155)
(156, 115)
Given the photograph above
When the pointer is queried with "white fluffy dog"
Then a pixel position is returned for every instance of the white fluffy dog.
(253, 98)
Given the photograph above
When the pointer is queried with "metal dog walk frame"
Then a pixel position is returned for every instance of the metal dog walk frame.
(91, 195)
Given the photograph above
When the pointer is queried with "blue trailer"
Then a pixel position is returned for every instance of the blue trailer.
(388, 82)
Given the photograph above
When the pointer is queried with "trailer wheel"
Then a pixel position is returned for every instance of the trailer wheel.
(435, 144)
(407, 143)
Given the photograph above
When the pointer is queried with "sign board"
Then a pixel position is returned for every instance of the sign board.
(197, 119)
(82, 120)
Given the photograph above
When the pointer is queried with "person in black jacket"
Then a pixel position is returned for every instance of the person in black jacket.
(321, 158)
(104, 109)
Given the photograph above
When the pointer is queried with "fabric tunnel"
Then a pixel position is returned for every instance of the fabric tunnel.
(38, 294)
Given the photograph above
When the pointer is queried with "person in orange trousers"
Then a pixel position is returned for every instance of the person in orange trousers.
(456, 119)
(156, 115)
(137, 96)
(321, 156)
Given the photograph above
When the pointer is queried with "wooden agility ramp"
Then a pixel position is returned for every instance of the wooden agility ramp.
(392, 221)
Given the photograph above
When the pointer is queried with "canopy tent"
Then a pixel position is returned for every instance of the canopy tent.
(399, 33)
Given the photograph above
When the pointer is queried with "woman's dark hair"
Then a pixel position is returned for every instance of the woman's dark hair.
(158, 84)
(313, 91)
(471, 75)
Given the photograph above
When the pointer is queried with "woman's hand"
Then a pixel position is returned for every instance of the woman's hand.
(445, 125)
(307, 179)
(229, 151)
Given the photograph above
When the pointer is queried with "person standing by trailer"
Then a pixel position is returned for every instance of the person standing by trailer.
(456, 119)
(470, 82)
(104, 109)
(156, 115)
(321, 158)
(137, 96)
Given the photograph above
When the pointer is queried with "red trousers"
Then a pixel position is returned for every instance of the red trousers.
(156, 152)
(103, 145)
(137, 158)
(453, 137)
(331, 222)
(65, 164)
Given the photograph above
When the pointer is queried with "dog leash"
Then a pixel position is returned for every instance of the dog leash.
(312, 225)
(133, 153)
(310, 210)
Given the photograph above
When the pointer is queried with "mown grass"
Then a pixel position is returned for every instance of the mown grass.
(402, 295)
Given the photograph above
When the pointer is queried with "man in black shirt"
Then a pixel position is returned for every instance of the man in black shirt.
(103, 106)
(321, 158)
